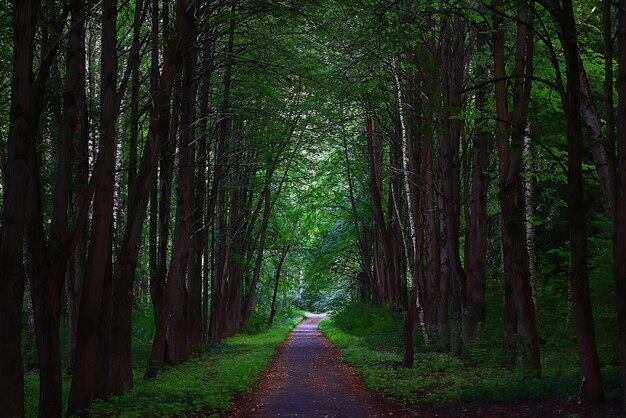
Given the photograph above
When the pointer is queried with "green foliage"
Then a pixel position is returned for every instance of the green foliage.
(377, 328)
(31, 393)
(143, 332)
(362, 332)
(203, 382)
(206, 384)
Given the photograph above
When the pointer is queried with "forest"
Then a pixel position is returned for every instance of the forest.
(181, 178)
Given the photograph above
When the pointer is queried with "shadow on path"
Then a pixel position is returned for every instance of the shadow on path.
(308, 378)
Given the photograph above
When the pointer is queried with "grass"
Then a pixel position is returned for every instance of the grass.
(370, 339)
(206, 384)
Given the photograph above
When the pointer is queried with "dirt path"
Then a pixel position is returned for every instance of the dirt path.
(308, 378)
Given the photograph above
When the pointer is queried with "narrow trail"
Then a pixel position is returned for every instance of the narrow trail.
(308, 378)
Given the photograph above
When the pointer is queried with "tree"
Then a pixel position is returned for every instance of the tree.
(90, 373)
(477, 224)
(449, 136)
(579, 280)
(21, 139)
(510, 131)
(619, 254)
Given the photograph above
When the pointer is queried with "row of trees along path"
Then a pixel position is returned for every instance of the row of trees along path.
(176, 153)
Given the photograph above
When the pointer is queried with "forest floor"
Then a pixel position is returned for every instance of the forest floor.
(308, 377)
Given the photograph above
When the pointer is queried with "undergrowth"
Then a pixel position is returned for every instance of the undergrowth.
(205, 384)
(370, 338)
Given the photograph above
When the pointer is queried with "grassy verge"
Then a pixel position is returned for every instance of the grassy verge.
(370, 339)
(206, 384)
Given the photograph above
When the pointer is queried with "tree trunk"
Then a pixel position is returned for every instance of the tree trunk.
(579, 274)
(385, 260)
(83, 387)
(410, 164)
(529, 214)
(477, 225)
(198, 231)
(50, 257)
(452, 62)
(178, 328)
(236, 227)
(277, 271)
(134, 99)
(216, 205)
(159, 129)
(155, 284)
(515, 254)
(202, 230)
(121, 367)
(256, 272)
(510, 321)
(166, 162)
(619, 254)
(102, 387)
(80, 150)
(21, 138)
(434, 291)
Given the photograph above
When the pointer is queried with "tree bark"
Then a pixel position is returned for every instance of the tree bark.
(50, 256)
(91, 318)
(452, 65)
(619, 255)
(436, 300)
(477, 225)
(216, 205)
(385, 261)
(277, 271)
(166, 161)
(198, 231)
(179, 325)
(121, 365)
(410, 149)
(21, 138)
(256, 271)
(80, 150)
(153, 234)
(579, 273)
(134, 99)
(159, 129)
(529, 192)
(516, 272)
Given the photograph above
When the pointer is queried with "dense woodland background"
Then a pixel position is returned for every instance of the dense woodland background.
(205, 164)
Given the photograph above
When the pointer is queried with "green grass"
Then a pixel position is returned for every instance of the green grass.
(376, 352)
(205, 384)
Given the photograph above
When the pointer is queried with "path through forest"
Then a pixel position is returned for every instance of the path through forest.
(308, 377)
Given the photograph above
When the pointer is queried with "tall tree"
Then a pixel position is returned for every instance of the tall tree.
(92, 321)
(216, 201)
(450, 125)
(477, 226)
(619, 254)
(579, 271)
(384, 256)
(510, 134)
(21, 138)
(49, 256)
(120, 369)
